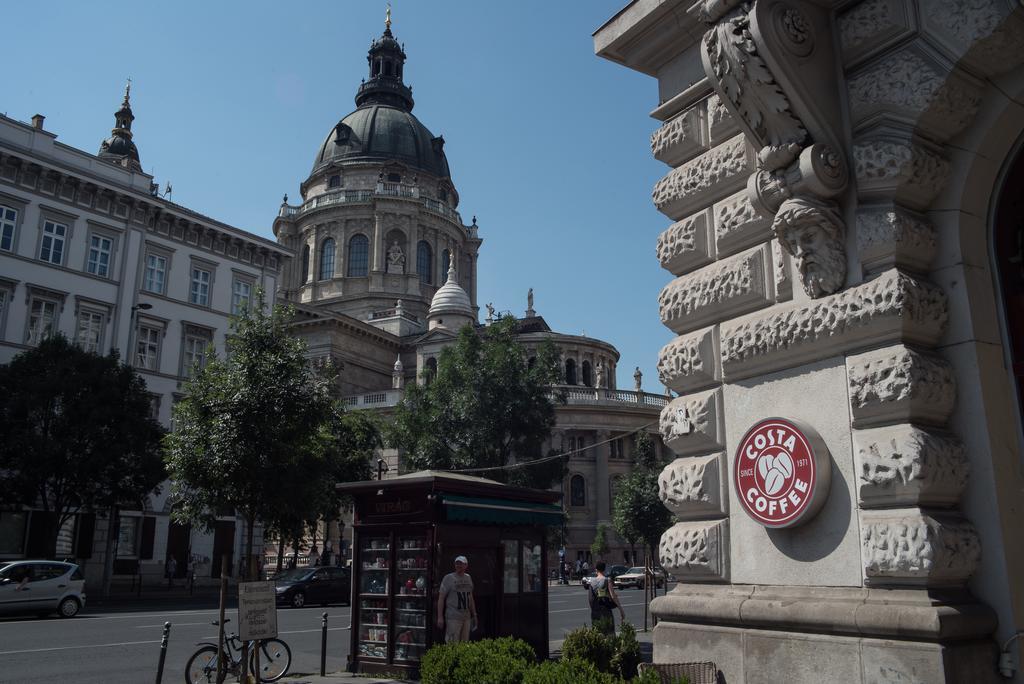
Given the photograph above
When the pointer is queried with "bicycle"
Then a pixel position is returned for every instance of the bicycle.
(275, 659)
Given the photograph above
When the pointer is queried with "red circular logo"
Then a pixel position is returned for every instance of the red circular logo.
(777, 472)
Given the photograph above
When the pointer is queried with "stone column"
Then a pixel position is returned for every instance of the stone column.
(378, 242)
(603, 507)
(472, 276)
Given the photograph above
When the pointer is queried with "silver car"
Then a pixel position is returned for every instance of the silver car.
(41, 587)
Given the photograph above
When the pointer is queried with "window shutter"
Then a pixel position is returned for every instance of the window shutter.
(84, 535)
(148, 535)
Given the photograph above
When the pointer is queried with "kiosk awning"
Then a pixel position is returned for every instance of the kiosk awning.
(500, 511)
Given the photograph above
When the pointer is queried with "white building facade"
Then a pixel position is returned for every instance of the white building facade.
(88, 250)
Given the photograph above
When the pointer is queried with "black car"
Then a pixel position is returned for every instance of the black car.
(299, 586)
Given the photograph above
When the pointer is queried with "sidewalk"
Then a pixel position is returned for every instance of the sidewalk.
(123, 596)
(554, 647)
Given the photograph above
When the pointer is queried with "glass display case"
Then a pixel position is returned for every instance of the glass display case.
(394, 597)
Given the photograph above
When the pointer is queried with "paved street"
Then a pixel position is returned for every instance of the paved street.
(111, 646)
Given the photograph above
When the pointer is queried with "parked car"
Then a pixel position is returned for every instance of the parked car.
(634, 577)
(41, 587)
(611, 573)
(299, 586)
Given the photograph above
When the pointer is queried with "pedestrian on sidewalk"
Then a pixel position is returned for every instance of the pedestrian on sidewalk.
(602, 599)
(171, 570)
(456, 609)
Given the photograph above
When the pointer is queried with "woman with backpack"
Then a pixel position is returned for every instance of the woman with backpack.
(602, 599)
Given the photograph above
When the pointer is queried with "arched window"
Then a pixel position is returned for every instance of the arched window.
(531, 362)
(424, 262)
(431, 371)
(446, 263)
(387, 68)
(588, 378)
(443, 194)
(334, 182)
(577, 491)
(305, 263)
(327, 259)
(570, 371)
(358, 256)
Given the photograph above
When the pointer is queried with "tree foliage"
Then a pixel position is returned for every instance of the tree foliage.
(487, 405)
(599, 547)
(638, 514)
(77, 433)
(260, 432)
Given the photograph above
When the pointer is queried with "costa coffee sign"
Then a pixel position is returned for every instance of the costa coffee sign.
(782, 472)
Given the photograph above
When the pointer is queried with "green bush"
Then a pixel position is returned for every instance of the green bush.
(568, 671)
(589, 644)
(489, 661)
(627, 652)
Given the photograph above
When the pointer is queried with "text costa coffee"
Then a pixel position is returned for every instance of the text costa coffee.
(782, 472)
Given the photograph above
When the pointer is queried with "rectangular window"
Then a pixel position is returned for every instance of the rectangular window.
(8, 222)
(5, 300)
(100, 249)
(90, 330)
(42, 320)
(147, 347)
(154, 406)
(156, 271)
(127, 537)
(241, 293)
(200, 291)
(51, 249)
(193, 353)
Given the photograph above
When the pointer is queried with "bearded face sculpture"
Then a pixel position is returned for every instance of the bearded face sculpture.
(812, 232)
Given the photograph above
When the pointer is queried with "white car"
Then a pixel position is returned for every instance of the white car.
(41, 587)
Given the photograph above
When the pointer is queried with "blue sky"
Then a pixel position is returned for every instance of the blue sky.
(548, 144)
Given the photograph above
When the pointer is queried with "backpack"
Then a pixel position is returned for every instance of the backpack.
(601, 596)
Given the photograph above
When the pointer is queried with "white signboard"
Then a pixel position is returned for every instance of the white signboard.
(257, 610)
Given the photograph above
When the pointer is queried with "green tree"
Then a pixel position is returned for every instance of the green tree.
(77, 433)
(638, 514)
(255, 429)
(487, 405)
(599, 547)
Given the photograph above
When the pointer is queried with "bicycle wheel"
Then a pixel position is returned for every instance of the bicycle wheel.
(275, 659)
(202, 666)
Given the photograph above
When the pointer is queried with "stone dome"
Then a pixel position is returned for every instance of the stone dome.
(450, 299)
(383, 133)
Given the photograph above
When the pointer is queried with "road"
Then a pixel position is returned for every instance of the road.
(124, 646)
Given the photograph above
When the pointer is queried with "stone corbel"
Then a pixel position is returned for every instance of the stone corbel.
(772, 64)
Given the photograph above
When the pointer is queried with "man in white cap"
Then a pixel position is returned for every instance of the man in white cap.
(456, 609)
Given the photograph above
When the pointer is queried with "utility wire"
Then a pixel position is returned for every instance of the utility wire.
(545, 459)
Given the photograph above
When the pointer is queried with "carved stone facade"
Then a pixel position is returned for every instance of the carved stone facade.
(695, 487)
(725, 289)
(876, 128)
(908, 547)
(696, 551)
(900, 384)
(905, 465)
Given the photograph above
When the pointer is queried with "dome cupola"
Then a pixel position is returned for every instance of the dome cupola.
(451, 307)
(387, 60)
(119, 148)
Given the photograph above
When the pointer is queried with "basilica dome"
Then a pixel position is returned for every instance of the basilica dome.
(451, 299)
(384, 133)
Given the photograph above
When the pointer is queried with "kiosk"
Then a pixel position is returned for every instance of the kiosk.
(407, 532)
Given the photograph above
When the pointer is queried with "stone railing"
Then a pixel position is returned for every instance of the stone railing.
(382, 189)
(382, 399)
(576, 395)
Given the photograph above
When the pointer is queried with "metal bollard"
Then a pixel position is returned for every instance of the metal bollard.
(163, 653)
(323, 647)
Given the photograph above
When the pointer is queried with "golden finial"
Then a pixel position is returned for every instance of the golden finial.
(387, 18)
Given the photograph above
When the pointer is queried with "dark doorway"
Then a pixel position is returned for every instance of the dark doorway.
(179, 545)
(1008, 243)
(223, 543)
